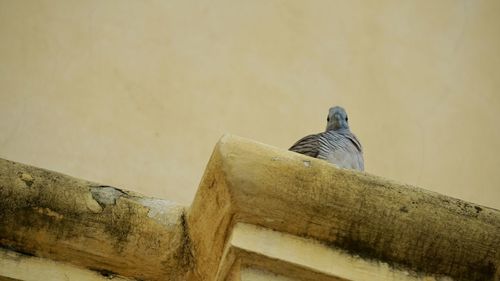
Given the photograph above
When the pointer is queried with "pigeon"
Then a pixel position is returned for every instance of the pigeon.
(336, 144)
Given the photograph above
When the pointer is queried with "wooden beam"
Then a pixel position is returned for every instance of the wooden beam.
(106, 229)
(51, 215)
(408, 228)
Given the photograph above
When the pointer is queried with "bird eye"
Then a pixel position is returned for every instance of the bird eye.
(328, 119)
(346, 118)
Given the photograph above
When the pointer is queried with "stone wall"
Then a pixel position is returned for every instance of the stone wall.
(109, 90)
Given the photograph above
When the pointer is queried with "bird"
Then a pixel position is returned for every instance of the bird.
(337, 144)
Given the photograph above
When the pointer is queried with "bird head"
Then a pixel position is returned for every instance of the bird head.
(337, 119)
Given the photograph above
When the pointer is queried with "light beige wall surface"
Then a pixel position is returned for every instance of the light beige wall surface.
(136, 93)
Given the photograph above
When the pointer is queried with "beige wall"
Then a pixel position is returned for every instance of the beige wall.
(136, 93)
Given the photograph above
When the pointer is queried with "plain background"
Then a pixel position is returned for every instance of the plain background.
(136, 93)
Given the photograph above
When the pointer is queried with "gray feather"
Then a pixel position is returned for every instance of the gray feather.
(338, 145)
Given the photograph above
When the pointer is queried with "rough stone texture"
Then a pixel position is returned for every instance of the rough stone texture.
(15, 266)
(54, 216)
(50, 215)
(407, 227)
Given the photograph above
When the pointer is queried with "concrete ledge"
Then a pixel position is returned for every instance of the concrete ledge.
(15, 266)
(54, 216)
(409, 229)
(260, 213)
(304, 259)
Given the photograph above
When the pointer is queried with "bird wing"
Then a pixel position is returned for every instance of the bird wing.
(352, 137)
(308, 145)
(341, 148)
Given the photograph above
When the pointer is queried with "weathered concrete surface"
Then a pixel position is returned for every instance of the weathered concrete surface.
(54, 216)
(15, 266)
(285, 255)
(290, 201)
(409, 228)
